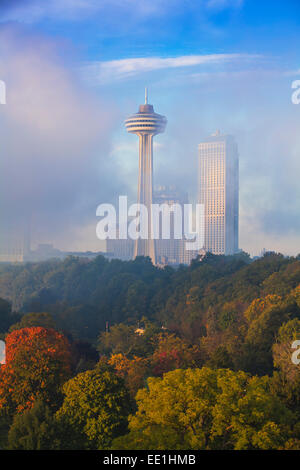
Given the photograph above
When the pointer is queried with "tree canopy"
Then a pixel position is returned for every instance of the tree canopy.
(201, 356)
(207, 409)
(95, 407)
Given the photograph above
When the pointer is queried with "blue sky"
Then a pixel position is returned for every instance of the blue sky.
(209, 64)
(114, 29)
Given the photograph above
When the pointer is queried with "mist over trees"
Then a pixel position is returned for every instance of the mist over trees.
(97, 350)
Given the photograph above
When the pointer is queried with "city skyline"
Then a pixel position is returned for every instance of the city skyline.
(213, 64)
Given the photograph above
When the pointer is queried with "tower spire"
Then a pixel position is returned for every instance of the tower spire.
(146, 95)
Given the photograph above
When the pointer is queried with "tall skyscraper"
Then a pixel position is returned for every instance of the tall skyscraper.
(120, 248)
(146, 124)
(219, 192)
(168, 251)
(14, 240)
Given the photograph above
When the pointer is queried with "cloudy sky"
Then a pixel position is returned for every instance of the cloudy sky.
(74, 69)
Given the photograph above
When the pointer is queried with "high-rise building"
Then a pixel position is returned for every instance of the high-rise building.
(219, 192)
(120, 248)
(146, 124)
(14, 241)
(186, 256)
(12, 250)
(168, 251)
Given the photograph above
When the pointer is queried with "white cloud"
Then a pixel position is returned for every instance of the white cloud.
(121, 69)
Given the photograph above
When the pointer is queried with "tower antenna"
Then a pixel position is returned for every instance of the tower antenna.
(146, 95)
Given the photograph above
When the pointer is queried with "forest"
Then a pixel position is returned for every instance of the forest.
(124, 355)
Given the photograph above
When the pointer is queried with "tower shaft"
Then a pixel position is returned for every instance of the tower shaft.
(145, 247)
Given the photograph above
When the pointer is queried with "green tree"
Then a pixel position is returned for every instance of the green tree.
(282, 349)
(5, 422)
(7, 318)
(130, 340)
(207, 409)
(96, 407)
(36, 429)
(44, 320)
(286, 379)
(120, 339)
(264, 328)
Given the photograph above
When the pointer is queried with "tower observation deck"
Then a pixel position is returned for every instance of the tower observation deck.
(146, 124)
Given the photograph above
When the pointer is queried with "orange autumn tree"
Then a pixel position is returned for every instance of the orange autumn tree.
(37, 364)
(173, 353)
(134, 371)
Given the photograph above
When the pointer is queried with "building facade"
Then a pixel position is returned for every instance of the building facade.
(218, 190)
(169, 251)
(14, 241)
(119, 248)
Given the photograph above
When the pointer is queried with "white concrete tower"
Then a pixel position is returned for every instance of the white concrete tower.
(146, 124)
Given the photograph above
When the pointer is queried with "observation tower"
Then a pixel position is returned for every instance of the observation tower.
(146, 124)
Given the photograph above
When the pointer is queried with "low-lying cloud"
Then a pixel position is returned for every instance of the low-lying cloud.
(55, 139)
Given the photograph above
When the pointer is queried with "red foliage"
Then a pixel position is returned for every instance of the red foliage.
(166, 361)
(37, 364)
(174, 353)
